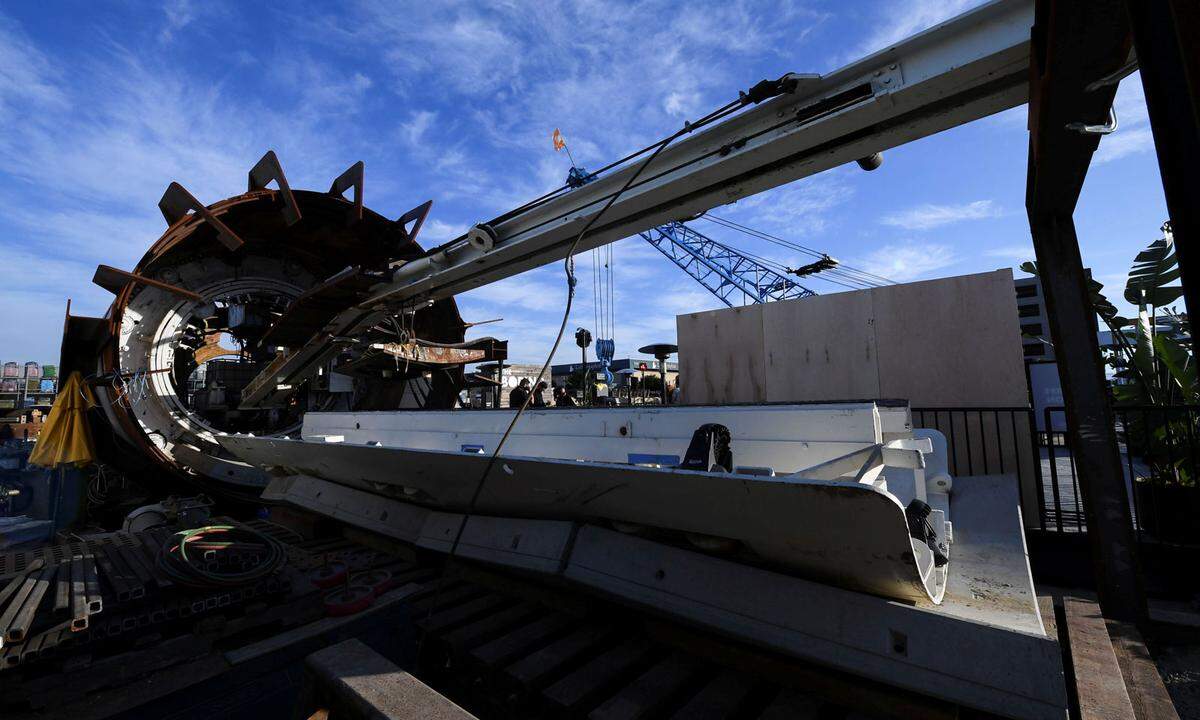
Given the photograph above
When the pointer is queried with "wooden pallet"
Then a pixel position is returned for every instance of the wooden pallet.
(500, 654)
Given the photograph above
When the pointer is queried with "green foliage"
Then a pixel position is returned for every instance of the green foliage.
(575, 381)
(1151, 364)
(1153, 269)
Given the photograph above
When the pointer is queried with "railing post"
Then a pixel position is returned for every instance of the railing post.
(1058, 523)
(1035, 460)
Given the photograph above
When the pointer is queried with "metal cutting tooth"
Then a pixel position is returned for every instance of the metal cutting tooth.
(266, 170)
(177, 201)
(416, 216)
(352, 178)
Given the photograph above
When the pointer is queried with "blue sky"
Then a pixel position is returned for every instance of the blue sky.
(102, 104)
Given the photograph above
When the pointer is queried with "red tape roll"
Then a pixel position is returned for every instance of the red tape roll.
(380, 581)
(349, 601)
(328, 575)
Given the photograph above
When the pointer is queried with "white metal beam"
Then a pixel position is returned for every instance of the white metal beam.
(968, 67)
(964, 69)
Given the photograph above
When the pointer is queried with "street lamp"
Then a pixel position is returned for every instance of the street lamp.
(583, 338)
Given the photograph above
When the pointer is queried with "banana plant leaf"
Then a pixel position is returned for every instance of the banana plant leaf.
(1178, 362)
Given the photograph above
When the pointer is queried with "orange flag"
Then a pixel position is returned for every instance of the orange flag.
(559, 143)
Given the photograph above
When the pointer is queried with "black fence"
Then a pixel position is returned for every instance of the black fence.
(1159, 452)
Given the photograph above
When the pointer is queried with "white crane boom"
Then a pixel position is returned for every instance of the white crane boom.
(964, 69)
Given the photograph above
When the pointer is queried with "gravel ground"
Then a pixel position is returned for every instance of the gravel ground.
(1179, 665)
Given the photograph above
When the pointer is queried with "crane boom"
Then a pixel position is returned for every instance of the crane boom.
(964, 69)
(722, 270)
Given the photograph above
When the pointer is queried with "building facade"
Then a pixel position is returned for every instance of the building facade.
(1031, 314)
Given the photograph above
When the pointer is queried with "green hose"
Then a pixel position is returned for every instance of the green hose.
(219, 556)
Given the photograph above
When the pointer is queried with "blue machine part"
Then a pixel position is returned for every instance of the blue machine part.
(604, 353)
(578, 177)
(652, 459)
(722, 269)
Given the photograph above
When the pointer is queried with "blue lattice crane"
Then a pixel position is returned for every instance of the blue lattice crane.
(724, 271)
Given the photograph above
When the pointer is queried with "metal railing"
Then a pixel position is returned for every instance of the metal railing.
(1160, 457)
(991, 440)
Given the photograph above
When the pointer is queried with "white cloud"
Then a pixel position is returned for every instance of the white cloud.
(1011, 252)
(1133, 135)
(628, 79)
(86, 154)
(34, 289)
(1124, 142)
(908, 261)
(928, 216)
(27, 75)
(795, 211)
(899, 20)
(528, 291)
(435, 231)
(681, 104)
(179, 14)
(418, 124)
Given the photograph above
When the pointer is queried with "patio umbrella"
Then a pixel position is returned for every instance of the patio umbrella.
(66, 438)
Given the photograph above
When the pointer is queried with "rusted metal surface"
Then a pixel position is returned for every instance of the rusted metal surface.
(276, 291)
(212, 349)
(416, 216)
(430, 354)
(352, 178)
(266, 170)
(177, 201)
(114, 280)
(308, 313)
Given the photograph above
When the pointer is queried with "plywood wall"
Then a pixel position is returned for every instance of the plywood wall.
(823, 348)
(721, 356)
(951, 342)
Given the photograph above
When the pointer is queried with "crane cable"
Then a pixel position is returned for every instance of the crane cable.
(850, 277)
(774, 265)
(848, 272)
(762, 91)
(603, 308)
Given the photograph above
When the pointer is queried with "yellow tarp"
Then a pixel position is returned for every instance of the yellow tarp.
(66, 437)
